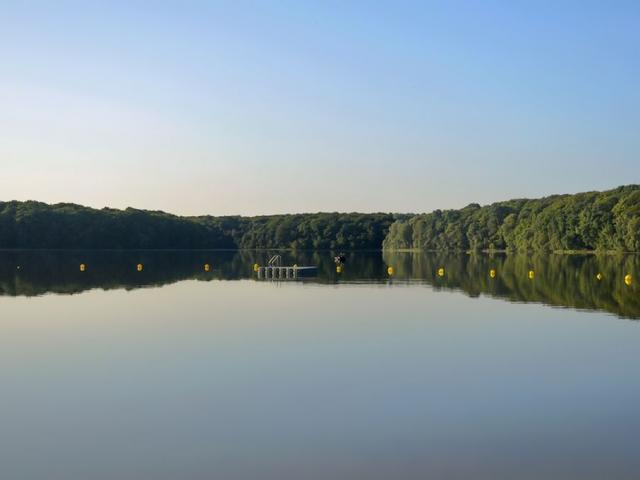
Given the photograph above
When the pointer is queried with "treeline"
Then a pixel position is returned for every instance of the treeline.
(39, 225)
(601, 221)
(347, 231)
(69, 226)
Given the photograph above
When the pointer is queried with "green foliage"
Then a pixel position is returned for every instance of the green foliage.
(601, 221)
(336, 231)
(68, 226)
(38, 225)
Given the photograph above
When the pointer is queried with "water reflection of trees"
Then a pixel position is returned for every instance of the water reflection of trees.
(560, 280)
(31, 273)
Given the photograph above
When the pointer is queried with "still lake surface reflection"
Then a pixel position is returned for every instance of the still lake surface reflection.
(177, 372)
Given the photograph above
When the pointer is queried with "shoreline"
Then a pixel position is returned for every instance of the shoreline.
(330, 250)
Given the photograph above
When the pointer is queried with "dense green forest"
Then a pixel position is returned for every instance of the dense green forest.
(39, 225)
(602, 221)
(316, 231)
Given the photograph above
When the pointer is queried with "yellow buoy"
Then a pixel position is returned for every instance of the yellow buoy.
(339, 269)
(139, 267)
(256, 267)
(532, 274)
(599, 276)
(628, 279)
(390, 270)
(441, 272)
(207, 267)
(83, 267)
(492, 273)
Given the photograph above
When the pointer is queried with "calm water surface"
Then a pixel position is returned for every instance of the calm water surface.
(175, 372)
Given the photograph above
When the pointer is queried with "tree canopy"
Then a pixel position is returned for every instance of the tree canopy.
(602, 221)
(66, 226)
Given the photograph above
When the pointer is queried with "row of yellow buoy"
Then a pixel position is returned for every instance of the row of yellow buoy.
(628, 279)
(140, 267)
(531, 274)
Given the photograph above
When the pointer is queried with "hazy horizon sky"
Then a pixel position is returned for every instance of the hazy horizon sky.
(273, 107)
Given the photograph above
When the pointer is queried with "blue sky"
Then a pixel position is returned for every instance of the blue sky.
(272, 107)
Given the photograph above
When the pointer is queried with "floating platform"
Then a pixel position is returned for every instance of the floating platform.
(286, 273)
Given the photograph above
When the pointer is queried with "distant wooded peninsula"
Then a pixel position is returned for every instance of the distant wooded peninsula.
(595, 221)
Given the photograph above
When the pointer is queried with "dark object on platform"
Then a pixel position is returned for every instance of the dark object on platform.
(340, 259)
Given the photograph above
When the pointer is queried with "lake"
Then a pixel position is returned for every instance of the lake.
(446, 366)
